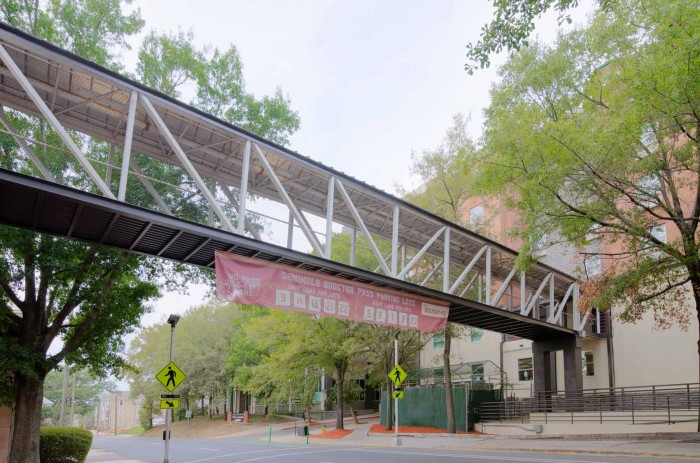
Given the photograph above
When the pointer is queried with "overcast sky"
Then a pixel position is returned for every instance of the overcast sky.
(371, 80)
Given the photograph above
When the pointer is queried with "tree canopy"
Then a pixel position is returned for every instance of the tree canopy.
(89, 297)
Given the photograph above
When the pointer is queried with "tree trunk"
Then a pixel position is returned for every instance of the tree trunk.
(339, 401)
(354, 415)
(449, 399)
(695, 284)
(27, 420)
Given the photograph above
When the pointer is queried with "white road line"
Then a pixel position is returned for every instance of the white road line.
(211, 450)
(476, 457)
(241, 453)
(286, 455)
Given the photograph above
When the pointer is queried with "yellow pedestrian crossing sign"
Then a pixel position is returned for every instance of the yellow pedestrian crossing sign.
(397, 395)
(397, 375)
(166, 404)
(171, 376)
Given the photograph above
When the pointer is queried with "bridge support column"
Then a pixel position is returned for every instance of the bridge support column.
(544, 369)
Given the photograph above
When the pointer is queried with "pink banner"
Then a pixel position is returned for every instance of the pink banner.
(258, 282)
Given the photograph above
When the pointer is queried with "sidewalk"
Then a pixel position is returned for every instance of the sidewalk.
(677, 445)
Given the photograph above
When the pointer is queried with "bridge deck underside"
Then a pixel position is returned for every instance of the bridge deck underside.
(50, 208)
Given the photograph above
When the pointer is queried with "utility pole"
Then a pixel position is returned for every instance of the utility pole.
(72, 404)
(64, 394)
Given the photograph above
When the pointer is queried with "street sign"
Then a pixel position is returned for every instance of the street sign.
(170, 396)
(397, 375)
(166, 404)
(171, 376)
(296, 401)
(397, 395)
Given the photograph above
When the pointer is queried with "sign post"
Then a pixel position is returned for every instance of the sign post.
(168, 377)
(397, 440)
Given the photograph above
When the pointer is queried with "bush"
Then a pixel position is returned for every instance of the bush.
(64, 445)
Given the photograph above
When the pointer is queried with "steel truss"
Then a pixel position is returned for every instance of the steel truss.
(72, 94)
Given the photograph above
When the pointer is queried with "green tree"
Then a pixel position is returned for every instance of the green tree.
(513, 22)
(445, 183)
(596, 138)
(201, 346)
(87, 390)
(86, 296)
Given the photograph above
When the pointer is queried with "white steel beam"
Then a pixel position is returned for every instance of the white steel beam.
(522, 292)
(504, 285)
(552, 305)
(232, 199)
(467, 269)
(184, 160)
(363, 228)
(290, 231)
(243, 197)
(487, 277)
(574, 310)
(446, 261)
(395, 243)
(536, 296)
(584, 320)
(329, 215)
(431, 273)
(25, 147)
(128, 138)
(420, 253)
(53, 122)
(469, 285)
(556, 318)
(149, 187)
(298, 216)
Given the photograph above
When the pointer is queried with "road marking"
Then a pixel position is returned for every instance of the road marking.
(211, 450)
(287, 455)
(240, 453)
(477, 457)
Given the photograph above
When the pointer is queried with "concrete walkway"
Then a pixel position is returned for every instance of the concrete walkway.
(672, 445)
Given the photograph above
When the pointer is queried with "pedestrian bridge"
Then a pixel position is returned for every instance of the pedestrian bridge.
(128, 167)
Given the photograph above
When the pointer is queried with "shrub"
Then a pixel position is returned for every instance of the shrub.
(64, 445)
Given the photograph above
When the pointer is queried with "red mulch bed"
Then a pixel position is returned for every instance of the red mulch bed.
(380, 428)
(334, 434)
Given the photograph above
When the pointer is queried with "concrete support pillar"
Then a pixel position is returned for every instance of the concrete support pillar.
(544, 368)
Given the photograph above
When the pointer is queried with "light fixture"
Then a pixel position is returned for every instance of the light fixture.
(173, 319)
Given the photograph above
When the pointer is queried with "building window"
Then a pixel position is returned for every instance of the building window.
(476, 334)
(648, 190)
(587, 363)
(658, 232)
(648, 139)
(592, 265)
(439, 375)
(478, 372)
(525, 369)
(476, 214)
(439, 341)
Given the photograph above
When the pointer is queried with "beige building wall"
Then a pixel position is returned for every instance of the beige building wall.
(644, 355)
(120, 404)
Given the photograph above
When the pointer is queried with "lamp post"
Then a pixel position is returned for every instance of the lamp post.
(172, 321)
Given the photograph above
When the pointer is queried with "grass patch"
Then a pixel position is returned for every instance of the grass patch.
(135, 431)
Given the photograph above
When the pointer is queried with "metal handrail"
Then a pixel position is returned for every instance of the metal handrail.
(636, 405)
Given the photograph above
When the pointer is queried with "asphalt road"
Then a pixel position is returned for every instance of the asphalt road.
(240, 451)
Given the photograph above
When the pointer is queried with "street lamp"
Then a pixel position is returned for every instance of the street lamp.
(172, 321)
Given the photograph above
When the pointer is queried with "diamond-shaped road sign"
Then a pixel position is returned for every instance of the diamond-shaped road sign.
(397, 375)
(171, 376)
